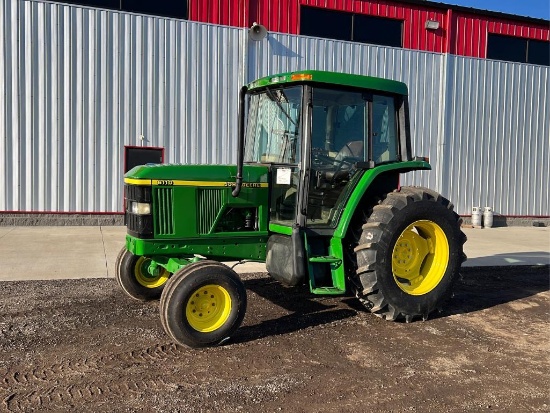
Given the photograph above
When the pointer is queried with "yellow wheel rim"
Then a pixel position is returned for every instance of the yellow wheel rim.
(145, 278)
(208, 308)
(420, 257)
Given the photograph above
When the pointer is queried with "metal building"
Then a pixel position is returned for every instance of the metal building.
(78, 84)
(422, 25)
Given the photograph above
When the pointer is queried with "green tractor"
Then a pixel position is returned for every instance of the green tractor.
(315, 195)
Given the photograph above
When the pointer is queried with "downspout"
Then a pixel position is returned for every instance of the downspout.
(442, 175)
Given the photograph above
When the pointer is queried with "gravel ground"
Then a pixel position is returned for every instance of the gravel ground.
(81, 345)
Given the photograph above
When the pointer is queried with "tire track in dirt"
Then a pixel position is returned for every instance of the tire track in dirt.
(74, 395)
(25, 389)
(39, 374)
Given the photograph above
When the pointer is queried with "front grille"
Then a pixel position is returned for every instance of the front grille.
(164, 211)
(137, 193)
(140, 226)
(209, 204)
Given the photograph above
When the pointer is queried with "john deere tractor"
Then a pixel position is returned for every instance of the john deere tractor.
(315, 195)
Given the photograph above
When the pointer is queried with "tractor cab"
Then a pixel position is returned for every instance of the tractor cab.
(319, 133)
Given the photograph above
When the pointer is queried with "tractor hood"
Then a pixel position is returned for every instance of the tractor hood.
(172, 174)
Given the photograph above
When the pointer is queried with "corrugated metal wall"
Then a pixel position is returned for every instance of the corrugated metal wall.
(284, 16)
(471, 31)
(460, 33)
(497, 136)
(78, 84)
(414, 16)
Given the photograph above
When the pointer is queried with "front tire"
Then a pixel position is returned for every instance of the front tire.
(133, 276)
(203, 304)
(409, 254)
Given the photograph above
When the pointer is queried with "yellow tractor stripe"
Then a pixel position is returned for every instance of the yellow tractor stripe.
(170, 182)
(137, 181)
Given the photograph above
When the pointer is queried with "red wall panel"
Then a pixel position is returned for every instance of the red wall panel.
(228, 12)
(275, 15)
(459, 33)
(415, 35)
(471, 32)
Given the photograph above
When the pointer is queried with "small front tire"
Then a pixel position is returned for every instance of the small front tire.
(133, 276)
(203, 304)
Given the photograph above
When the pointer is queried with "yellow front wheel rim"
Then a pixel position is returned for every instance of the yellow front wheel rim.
(208, 308)
(420, 257)
(145, 278)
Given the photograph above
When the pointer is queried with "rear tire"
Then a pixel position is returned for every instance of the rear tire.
(409, 254)
(203, 304)
(133, 277)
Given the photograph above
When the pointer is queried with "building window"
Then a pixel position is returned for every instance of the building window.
(325, 23)
(165, 8)
(517, 49)
(538, 52)
(103, 4)
(353, 27)
(377, 30)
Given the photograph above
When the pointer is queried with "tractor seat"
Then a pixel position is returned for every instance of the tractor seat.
(353, 149)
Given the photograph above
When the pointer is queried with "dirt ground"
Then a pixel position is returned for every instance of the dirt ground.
(81, 345)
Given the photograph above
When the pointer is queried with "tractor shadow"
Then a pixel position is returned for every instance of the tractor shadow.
(481, 288)
(302, 310)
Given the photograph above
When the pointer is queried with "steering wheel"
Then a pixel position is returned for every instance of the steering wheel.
(320, 160)
(343, 169)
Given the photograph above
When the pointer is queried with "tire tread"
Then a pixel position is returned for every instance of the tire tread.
(372, 245)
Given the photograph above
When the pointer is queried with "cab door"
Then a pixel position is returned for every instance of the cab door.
(351, 131)
(278, 135)
(339, 140)
(307, 196)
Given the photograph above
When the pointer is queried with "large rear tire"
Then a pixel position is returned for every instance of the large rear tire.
(409, 254)
(203, 304)
(133, 276)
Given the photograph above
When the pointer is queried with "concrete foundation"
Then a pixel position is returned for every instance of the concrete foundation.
(503, 221)
(39, 219)
(75, 220)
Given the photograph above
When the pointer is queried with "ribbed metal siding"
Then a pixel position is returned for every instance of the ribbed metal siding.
(468, 31)
(498, 136)
(484, 150)
(420, 71)
(472, 31)
(415, 35)
(284, 16)
(226, 12)
(78, 84)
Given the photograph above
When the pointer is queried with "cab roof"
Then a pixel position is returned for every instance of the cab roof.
(332, 78)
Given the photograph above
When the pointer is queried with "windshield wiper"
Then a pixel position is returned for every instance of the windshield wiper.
(274, 99)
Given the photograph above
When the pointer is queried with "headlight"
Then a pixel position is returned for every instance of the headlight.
(140, 208)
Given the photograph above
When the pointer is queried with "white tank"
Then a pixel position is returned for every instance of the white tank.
(488, 217)
(476, 217)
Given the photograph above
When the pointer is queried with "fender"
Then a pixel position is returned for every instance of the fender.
(366, 182)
